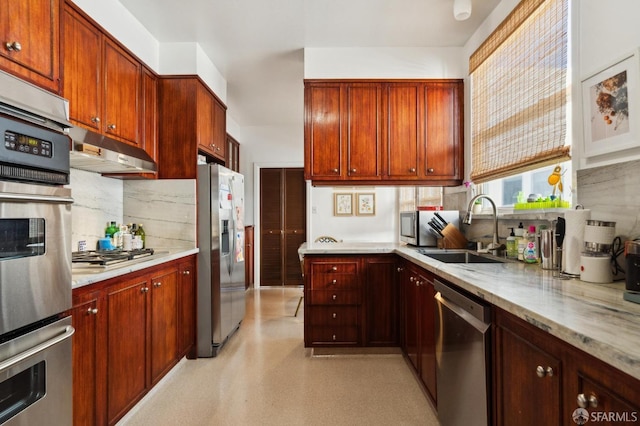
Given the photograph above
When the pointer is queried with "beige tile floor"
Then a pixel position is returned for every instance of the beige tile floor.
(265, 376)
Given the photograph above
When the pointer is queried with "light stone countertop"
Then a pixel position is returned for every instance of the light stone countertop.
(85, 276)
(591, 317)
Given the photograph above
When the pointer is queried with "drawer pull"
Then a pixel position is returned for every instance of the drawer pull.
(13, 46)
(334, 297)
(92, 311)
(334, 315)
(334, 268)
(584, 402)
(334, 337)
(334, 282)
(544, 372)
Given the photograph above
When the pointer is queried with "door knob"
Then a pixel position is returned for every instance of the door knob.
(13, 46)
(584, 402)
(544, 371)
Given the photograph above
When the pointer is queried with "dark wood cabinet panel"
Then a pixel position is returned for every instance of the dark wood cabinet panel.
(323, 143)
(363, 131)
(381, 300)
(164, 322)
(233, 154)
(126, 346)
(403, 102)
(29, 32)
(187, 295)
(149, 110)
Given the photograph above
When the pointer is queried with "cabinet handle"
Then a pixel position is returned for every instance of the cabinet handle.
(335, 170)
(418, 283)
(95, 119)
(111, 127)
(544, 372)
(186, 272)
(353, 170)
(430, 170)
(334, 315)
(158, 284)
(412, 279)
(144, 289)
(14, 45)
(334, 297)
(334, 268)
(412, 170)
(92, 311)
(400, 269)
(334, 337)
(334, 282)
(584, 402)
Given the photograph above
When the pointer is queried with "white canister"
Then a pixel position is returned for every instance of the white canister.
(127, 240)
(596, 268)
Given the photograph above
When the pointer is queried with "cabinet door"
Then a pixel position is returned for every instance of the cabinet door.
(85, 362)
(29, 31)
(82, 69)
(381, 301)
(164, 322)
(205, 133)
(219, 120)
(523, 396)
(403, 103)
(443, 148)
(362, 131)
(126, 346)
(187, 309)
(427, 353)
(604, 403)
(323, 146)
(149, 108)
(122, 93)
(410, 285)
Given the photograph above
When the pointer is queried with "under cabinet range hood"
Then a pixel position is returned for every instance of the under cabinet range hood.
(30, 103)
(97, 153)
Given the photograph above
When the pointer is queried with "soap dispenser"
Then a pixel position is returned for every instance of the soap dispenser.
(512, 245)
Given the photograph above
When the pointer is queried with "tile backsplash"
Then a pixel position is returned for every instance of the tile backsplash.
(167, 208)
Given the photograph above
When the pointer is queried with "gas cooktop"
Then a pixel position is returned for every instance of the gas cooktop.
(106, 257)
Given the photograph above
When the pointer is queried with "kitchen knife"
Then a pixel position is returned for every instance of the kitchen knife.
(436, 224)
(435, 229)
(444, 222)
(560, 229)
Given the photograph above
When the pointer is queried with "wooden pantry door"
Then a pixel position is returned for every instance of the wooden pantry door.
(283, 194)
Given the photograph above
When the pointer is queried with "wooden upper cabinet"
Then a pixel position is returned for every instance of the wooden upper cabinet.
(122, 93)
(29, 31)
(186, 111)
(323, 148)
(397, 132)
(101, 80)
(443, 114)
(363, 131)
(403, 103)
(149, 112)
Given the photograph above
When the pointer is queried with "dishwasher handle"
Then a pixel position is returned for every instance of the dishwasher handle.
(476, 309)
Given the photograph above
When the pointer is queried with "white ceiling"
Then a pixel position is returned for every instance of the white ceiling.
(257, 45)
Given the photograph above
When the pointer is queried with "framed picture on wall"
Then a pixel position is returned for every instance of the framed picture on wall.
(366, 204)
(611, 107)
(342, 204)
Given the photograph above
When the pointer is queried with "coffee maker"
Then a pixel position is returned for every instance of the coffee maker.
(596, 259)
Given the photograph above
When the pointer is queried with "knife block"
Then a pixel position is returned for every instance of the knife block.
(453, 238)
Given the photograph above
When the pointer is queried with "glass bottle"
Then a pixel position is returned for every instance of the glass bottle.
(140, 232)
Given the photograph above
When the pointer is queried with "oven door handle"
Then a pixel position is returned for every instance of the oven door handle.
(5, 365)
(28, 197)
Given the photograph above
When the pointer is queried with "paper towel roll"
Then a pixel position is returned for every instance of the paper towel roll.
(573, 244)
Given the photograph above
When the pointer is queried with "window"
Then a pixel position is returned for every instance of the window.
(519, 97)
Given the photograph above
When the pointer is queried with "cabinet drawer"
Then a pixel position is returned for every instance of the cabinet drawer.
(334, 297)
(334, 335)
(334, 268)
(333, 281)
(333, 315)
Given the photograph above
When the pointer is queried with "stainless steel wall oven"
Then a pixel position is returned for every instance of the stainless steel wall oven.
(35, 257)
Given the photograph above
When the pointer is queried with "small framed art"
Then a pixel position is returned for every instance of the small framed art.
(342, 204)
(366, 204)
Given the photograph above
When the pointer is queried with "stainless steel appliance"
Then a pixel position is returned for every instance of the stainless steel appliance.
(421, 227)
(462, 354)
(35, 257)
(221, 283)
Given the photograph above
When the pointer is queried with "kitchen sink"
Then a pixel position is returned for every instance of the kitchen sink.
(461, 257)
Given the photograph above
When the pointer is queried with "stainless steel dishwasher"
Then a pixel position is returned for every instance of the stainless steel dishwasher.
(462, 349)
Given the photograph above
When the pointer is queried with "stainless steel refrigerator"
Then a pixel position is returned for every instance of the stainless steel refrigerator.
(221, 282)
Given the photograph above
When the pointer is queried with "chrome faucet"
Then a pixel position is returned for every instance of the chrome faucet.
(495, 246)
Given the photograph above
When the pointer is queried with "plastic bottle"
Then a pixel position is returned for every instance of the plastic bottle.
(520, 241)
(531, 249)
(512, 245)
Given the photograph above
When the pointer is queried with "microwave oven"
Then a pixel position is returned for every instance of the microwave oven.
(415, 229)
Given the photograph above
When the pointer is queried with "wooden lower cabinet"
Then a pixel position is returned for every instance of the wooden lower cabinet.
(540, 379)
(418, 322)
(130, 331)
(350, 301)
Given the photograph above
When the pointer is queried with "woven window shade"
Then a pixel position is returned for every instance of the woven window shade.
(519, 92)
